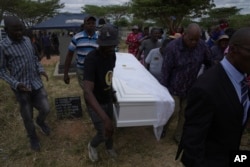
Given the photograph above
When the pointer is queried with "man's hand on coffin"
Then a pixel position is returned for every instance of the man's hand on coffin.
(108, 128)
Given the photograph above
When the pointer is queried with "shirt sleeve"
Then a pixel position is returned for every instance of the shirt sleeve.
(4, 72)
(167, 64)
(142, 46)
(149, 57)
(72, 45)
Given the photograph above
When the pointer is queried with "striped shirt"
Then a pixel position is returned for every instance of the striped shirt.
(82, 43)
(18, 64)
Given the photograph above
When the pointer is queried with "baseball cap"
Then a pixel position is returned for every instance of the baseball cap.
(87, 18)
(108, 36)
(223, 37)
(135, 27)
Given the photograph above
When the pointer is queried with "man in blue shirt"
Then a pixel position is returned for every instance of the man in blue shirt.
(21, 69)
(81, 43)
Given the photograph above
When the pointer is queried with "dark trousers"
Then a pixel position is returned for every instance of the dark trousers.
(47, 51)
(29, 100)
(99, 126)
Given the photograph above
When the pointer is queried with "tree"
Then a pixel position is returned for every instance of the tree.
(112, 12)
(169, 13)
(6, 6)
(238, 21)
(97, 11)
(216, 14)
(32, 12)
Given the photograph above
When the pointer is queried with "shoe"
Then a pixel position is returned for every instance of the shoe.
(93, 156)
(112, 153)
(35, 145)
(163, 134)
(44, 128)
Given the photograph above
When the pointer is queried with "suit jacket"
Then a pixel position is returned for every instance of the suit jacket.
(213, 126)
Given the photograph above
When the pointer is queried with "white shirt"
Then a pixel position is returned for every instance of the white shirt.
(155, 59)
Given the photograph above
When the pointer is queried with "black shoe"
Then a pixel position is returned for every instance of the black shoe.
(35, 145)
(44, 128)
(163, 134)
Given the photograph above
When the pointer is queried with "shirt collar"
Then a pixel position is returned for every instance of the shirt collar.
(232, 71)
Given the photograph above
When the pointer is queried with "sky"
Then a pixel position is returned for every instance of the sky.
(74, 6)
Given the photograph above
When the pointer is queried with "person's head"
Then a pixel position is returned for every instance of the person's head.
(108, 39)
(135, 29)
(192, 35)
(155, 34)
(214, 31)
(89, 24)
(222, 42)
(146, 31)
(28, 33)
(239, 50)
(179, 30)
(101, 22)
(14, 28)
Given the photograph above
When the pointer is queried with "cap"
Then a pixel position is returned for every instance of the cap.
(222, 37)
(108, 36)
(87, 18)
(135, 27)
(176, 35)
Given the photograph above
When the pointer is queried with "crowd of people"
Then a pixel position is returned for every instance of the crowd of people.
(207, 79)
(45, 43)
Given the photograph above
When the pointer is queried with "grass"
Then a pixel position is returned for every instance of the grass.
(67, 144)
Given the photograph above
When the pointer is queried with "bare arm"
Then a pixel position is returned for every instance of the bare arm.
(67, 64)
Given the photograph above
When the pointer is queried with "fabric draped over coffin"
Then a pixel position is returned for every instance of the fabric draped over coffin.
(135, 75)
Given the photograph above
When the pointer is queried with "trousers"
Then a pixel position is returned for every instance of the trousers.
(99, 126)
(28, 101)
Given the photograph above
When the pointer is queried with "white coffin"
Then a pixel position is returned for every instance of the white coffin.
(136, 108)
(142, 99)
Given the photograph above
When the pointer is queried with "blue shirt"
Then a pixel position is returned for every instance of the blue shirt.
(19, 64)
(82, 43)
(181, 65)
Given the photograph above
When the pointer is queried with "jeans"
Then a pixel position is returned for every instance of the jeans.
(80, 75)
(99, 126)
(180, 105)
(28, 100)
